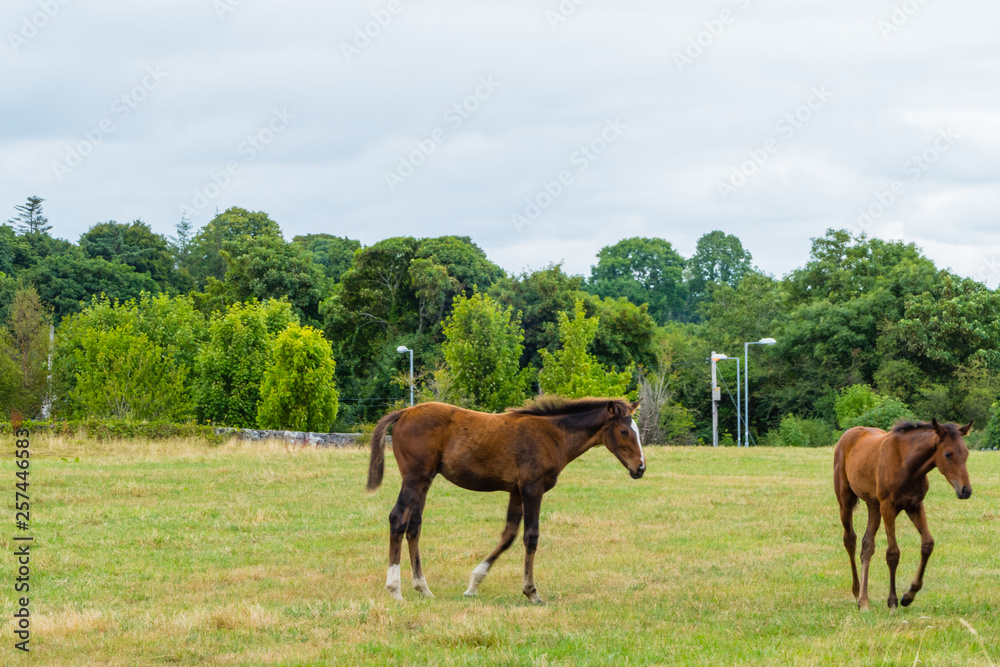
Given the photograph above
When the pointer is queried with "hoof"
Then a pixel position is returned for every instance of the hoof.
(396, 595)
(534, 599)
(863, 605)
(907, 599)
(470, 593)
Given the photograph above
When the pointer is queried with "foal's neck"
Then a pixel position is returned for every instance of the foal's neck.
(582, 432)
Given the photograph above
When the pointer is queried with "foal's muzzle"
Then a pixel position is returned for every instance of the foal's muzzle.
(641, 470)
(963, 492)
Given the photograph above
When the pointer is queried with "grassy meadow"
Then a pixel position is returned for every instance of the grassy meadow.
(180, 552)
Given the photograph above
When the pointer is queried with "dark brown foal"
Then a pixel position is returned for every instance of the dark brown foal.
(889, 472)
(521, 452)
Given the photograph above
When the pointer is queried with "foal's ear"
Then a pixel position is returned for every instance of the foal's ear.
(633, 406)
(612, 408)
(964, 430)
(937, 428)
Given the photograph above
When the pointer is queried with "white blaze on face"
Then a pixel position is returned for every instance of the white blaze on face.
(635, 427)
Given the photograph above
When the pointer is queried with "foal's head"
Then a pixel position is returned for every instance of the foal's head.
(621, 437)
(950, 456)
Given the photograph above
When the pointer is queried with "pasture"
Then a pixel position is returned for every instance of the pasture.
(178, 552)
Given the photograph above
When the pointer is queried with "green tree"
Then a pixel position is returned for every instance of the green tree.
(29, 218)
(334, 253)
(572, 371)
(122, 374)
(171, 323)
(67, 280)
(266, 267)
(539, 296)
(134, 244)
(230, 366)
(28, 327)
(481, 352)
(298, 391)
(719, 258)
(643, 270)
(204, 258)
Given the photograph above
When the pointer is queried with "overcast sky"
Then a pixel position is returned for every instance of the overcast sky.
(543, 130)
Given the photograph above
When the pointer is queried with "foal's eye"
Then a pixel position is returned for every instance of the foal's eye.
(624, 431)
(947, 455)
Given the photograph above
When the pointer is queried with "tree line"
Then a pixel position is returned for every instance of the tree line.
(231, 324)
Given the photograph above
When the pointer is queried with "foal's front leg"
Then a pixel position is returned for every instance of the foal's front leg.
(532, 499)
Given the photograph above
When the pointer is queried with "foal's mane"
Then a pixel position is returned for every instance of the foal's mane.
(907, 427)
(551, 405)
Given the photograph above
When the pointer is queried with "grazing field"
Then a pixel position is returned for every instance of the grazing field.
(184, 553)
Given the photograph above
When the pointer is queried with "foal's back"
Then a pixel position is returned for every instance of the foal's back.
(856, 459)
(474, 450)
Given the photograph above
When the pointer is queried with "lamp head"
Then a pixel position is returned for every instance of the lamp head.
(719, 357)
(767, 341)
(402, 348)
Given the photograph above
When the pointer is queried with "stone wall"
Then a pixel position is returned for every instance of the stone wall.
(294, 437)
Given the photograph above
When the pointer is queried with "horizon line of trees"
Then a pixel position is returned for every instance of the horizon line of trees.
(239, 327)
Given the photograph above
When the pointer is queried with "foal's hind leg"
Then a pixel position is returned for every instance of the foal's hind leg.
(413, 541)
(514, 511)
(532, 510)
(850, 537)
(867, 551)
(410, 499)
(919, 519)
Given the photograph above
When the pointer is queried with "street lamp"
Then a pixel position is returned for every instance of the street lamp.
(746, 385)
(403, 349)
(717, 396)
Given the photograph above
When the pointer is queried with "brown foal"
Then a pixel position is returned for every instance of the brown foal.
(889, 472)
(521, 452)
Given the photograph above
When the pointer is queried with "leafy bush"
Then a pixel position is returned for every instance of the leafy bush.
(573, 371)
(298, 392)
(116, 429)
(858, 405)
(482, 352)
(231, 365)
(124, 375)
(797, 432)
(990, 438)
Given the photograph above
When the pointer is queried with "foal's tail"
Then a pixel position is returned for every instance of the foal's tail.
(376, 465)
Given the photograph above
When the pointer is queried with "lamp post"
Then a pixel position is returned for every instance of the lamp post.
(717, 396)
(402, 349)
(746, 385)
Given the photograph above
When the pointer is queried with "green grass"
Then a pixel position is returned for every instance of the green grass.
(185, 553)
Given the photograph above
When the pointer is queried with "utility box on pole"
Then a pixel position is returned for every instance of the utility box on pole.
(716, 397)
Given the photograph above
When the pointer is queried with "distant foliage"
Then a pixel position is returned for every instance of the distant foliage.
(122, 374)
(231, 365)
(27, 346)
(573, 371)
(481, 352)
(858, 405)
(991, 436)
(797, 432)
(298, 392)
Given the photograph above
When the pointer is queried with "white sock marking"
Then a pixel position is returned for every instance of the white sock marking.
(393, 583)
(642, 456)
(477, 578)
